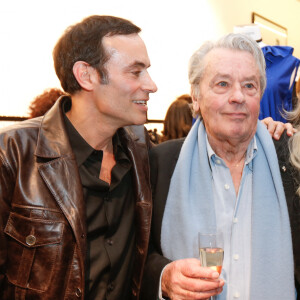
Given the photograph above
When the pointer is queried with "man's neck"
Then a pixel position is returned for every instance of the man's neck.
(233, 154)
(96, 131)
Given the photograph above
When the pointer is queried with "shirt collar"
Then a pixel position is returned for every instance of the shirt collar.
(251, 152)
(82, 150)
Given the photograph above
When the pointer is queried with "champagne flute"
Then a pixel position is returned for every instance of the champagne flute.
(211, 251)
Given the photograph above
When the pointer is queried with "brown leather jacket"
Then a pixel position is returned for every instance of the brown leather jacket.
(42, 214)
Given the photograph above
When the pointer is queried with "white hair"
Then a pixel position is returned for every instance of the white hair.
(234, 41)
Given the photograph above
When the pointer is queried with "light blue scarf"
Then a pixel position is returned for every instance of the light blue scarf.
(190, 209)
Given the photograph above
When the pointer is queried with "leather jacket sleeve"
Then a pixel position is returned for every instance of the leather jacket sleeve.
(7, 179)
(35, 235)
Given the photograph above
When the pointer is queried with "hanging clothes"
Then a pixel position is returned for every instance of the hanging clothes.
(281, 70)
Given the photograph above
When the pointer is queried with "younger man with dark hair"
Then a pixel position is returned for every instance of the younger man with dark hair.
(75, 201)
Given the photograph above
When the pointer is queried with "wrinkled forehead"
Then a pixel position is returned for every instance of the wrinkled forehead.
(233, 59)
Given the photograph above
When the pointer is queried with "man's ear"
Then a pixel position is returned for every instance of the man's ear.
(195, 103)
(84, 73)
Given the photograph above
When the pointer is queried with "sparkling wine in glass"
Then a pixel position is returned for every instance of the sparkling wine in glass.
(211, 251)
(212, 258)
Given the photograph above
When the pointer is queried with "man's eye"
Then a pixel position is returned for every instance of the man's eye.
(249, 85)
(136, 73)
(222, 83)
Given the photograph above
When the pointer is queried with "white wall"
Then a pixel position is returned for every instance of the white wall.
(238, 12)
(172, 30)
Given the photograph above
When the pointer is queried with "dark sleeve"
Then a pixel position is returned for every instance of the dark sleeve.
(6, 189)
(154, 265)
(291, 180)
(163, 159)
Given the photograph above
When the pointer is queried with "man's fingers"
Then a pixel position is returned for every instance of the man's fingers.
(192, 268)
(276, 128)
(185, 294)
(290, 130)
(201, 284)
(279, 129)
(186, 279)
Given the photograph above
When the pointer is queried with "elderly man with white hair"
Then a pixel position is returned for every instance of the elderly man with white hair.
(225, 176)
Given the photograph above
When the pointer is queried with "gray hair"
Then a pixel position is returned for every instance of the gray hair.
(234, 41)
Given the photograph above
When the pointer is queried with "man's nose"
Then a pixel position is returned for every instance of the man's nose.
(149, 85)
(237, 95)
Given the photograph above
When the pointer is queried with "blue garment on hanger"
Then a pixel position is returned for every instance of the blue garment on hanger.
(280, 64)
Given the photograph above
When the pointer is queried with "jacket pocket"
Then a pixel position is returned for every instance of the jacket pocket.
(33, 248)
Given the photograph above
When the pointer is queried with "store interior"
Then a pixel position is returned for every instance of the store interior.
(172, 31)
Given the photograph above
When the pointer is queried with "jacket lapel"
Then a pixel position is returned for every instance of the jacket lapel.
(59, 171)
(134, 141)
(62, 178)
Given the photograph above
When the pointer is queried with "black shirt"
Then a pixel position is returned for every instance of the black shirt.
(109, 217)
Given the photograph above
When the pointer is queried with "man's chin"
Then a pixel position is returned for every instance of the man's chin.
(140, 121)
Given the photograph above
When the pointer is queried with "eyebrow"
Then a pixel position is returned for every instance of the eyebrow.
(220, 75)
(227, 76)
(138, 64)
(251, 78)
